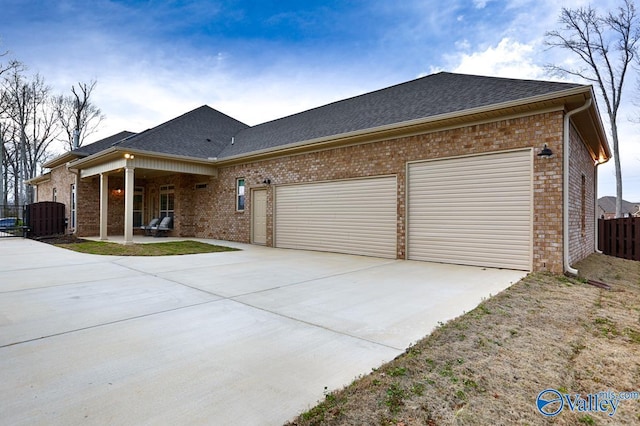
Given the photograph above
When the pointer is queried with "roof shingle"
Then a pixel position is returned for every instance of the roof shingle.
(207, 133)
(428, 96)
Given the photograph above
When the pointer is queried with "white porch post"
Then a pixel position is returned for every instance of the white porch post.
(129, 179)
(104, 199)
(128, 204)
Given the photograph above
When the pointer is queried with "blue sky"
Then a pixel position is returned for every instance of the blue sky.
(261, 60)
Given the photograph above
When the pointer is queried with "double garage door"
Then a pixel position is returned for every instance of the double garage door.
(472, 210)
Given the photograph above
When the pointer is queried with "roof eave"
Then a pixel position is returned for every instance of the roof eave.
(117, 151)
(593, 132)
(62, 159)
(39, 179)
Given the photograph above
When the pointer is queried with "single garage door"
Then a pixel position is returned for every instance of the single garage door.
(473, 210)
(350, 216)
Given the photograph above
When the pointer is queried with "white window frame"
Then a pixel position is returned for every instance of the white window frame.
(72, 203)
(169, 192)
(241, 191)
(138, 190)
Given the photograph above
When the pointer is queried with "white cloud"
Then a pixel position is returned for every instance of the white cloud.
(146, 94)
(507, 59)
(463, 44)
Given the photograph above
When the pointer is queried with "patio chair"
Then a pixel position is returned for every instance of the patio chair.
(162, 228)
(152, 223)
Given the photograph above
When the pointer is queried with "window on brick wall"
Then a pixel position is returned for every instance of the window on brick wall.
(583, 206)
(138, 206)
(72, 204)
(240, 194)
(167, 201)
(54, 197)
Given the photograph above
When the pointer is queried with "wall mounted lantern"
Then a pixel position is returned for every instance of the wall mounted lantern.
(546, 152)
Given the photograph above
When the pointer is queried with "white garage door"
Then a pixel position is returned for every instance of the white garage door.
(472, 210)
(351, 216)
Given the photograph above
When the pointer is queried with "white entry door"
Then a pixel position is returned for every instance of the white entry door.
(259, 216)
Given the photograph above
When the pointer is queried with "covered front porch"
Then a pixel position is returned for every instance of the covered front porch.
(119, 194)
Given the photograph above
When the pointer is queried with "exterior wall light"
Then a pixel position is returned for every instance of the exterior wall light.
(129, 156)
(267, 181)
(546, 152)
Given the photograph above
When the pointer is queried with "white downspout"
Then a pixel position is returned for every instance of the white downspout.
(565, 224)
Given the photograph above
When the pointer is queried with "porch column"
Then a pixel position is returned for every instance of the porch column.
(104, 200)
(128, 204)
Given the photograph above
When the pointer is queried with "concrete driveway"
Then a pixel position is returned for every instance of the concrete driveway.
(248, 337)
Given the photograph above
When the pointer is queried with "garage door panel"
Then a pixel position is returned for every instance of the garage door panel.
(356, 216)
(472, 210)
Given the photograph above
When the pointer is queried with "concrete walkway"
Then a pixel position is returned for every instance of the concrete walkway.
(250, 337)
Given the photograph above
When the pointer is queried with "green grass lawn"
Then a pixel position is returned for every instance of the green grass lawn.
(172, 248)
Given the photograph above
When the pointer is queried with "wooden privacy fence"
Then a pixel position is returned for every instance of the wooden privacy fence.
(45, 218)
(620, 237)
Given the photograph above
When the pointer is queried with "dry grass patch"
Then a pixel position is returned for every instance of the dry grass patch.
(171, 248)
(488, 366)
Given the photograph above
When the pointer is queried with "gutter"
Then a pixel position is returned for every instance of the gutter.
(565, 220)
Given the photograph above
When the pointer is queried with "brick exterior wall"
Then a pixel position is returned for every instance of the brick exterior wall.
(210, 212)
(89, 206)
(390, 157)
(582, 195)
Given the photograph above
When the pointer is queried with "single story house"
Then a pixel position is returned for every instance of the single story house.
(607, 208)
(450, 168)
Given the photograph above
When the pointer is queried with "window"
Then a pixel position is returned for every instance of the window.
(240, 194)
(72, 203)
(55, 195)
(166, 201)
(138, 209)
(201, 186)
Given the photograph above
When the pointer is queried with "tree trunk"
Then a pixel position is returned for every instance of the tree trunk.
(616, 161)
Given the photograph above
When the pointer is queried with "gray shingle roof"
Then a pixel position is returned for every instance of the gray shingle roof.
(102, 144)
(202, 133)
(608, 205)
(206, 133)
(428, 96)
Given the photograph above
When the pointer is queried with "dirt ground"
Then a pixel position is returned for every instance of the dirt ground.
(489, 365)
(61, 239)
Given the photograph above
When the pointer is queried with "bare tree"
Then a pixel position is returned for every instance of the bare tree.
(10, 164)
(4, 166)
(605, 46)
(78, 116)
(9, 65)
(32, 119)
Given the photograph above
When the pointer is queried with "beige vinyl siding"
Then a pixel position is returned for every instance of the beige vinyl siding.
(350, 216)
(473, 210)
